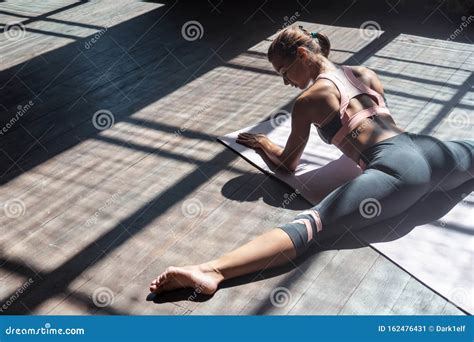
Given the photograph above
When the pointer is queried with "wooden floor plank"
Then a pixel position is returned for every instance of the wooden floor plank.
(105, 210)
(378, 290)
(334, 286)
(416, 299)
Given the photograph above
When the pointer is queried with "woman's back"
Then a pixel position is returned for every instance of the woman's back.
(353, 114)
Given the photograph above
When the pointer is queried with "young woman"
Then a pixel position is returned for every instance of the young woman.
(347, 106)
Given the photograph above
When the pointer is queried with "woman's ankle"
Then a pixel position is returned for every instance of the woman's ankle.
(211, 269)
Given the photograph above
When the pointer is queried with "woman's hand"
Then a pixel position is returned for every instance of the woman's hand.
(252, 140)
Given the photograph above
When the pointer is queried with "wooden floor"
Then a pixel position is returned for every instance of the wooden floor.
(91, 216)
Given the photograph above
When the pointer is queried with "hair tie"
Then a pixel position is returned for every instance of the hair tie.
(312, 34)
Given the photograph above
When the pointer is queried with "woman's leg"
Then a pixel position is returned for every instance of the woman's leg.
(403, 170)
(395, 181)
(372, 197)
(270, 249)
(338, 210)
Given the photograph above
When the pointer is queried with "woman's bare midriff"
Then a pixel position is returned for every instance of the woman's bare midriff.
(368, 133)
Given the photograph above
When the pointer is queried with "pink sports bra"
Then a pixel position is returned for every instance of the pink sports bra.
(349, 87)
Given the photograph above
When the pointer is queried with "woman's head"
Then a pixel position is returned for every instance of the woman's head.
(297, 55)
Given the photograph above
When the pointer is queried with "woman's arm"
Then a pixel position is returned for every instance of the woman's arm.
(288, 157)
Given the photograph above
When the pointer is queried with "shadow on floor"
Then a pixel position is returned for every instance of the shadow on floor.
(427, 210)
(66, 101)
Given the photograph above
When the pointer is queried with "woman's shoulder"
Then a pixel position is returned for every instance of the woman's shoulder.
(318, 91)
(316, 102)
(367, 76)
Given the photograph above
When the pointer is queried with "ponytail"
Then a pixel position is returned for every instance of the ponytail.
(323, 41)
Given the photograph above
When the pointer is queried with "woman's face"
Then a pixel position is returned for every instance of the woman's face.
(295, 72)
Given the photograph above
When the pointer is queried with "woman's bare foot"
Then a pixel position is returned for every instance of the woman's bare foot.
(202, 278)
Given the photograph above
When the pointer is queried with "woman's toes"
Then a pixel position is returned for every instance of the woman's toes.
(158, 282)
(154, 285)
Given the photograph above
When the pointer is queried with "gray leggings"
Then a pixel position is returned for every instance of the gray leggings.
(400, 170)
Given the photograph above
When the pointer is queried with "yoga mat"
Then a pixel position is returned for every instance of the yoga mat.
(439, 253)
(310, 178)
